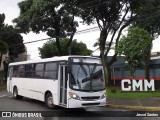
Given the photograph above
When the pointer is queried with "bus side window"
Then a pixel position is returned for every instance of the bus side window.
(21, 71)
(15, 71)
(51, 71)
(29, 70)
(39, 68)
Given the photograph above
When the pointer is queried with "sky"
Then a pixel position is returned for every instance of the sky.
(11, 11)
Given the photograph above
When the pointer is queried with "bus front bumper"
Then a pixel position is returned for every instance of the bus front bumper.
(73, 103)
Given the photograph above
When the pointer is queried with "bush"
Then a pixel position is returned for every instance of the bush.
(113, 90)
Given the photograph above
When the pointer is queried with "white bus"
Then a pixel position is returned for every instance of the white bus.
(67, 81)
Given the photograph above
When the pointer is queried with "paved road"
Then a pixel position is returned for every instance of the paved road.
(8, 103)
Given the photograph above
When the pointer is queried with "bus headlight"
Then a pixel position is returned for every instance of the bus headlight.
(74, 96)
(103, 96)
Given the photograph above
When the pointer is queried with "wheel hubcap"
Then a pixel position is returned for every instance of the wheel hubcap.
(50, 101)
(15, 94)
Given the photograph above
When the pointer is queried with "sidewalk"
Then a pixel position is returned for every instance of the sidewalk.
(135, 104)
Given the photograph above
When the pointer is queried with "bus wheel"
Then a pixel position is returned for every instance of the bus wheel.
(15, 94)
(49, 101)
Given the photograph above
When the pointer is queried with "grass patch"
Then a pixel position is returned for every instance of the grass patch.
(2, 86)
(115, 92)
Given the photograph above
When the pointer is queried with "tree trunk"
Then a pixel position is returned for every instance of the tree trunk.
(130, 63)
(58, 47)
(147, 76)
(1, 58)
(69, 44)
(103, 37)
(147, 73)
(147, 63)
(5, 63)
(108, 77)
(134, 72)
(104, 67)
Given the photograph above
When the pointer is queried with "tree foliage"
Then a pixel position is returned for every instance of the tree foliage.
(49, 49)
(134, 47)
(50, 16)
(148, 14)
(13, 39)
(3, 47)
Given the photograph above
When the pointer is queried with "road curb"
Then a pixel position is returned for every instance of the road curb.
(133, 107)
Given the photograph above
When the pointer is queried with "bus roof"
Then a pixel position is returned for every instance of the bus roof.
(60, 58)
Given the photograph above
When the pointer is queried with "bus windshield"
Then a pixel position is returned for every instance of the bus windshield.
(87, 77)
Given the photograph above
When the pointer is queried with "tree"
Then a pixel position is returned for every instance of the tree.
(134, 47)
(13, 39)
(148, 14)
(3, 45)
(10, 41)
(49, 49)
(51, 16)
(3, 49)
(111, 16)
(5, 64)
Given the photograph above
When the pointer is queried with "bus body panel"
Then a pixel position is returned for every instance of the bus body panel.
(36, 88)
(86, 99)
(72, 103)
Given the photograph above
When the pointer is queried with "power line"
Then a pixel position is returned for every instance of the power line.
(30, 42)
(37, 40)
(78, 32)
(86, 29)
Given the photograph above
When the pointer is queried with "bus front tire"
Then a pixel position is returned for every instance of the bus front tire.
(15, 94)
(49, 101)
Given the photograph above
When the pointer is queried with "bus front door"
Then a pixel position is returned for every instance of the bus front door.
(63, 85)
(9, 81)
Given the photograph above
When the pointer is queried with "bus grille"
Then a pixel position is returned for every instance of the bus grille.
(91, 98)
(87, 104)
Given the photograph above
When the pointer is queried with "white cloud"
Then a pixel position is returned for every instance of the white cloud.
(10, 8)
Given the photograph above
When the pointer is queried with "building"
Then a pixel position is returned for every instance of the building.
(120, 70)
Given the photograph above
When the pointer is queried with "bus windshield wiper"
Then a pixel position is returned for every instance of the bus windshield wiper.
(94, 68)
(83, 69)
